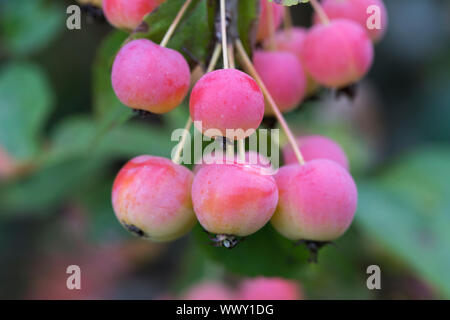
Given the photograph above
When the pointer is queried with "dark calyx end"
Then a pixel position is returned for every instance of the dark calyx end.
(313, 248)
(224, 240)
(142, 27)
(349, 91)
(134, 230)
(143, 113)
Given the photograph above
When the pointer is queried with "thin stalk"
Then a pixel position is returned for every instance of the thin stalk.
(241, 142)
(248, 65)
(271, 24)
(175, 23)
(231, 56)
(287, 20)
(320, 12)
(223, 26)
(177, 156)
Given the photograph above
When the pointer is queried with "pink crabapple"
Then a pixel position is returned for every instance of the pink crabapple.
(283, 75)
(151, 197)
(262, 288)
(292, 40)
(233, 200)
(128, 14)
(317, 202)
(317, 147)
(264, 22)
(149, 77)
(337, 54)
(356, 10)
(227, 99)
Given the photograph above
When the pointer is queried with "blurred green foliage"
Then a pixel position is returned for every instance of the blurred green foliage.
(28, 26)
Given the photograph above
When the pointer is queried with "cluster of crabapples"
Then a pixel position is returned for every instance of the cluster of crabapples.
(312, 201)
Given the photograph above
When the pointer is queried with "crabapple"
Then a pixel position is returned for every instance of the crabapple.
(233, 199)
(337, 54)
(151, 197)
(264, 22)
(316, 147)
(292, 40)
(128, 14)
(269, 289)
(317, 201)
(149, 77)
(227, 99)
(356, 10)
(283, 75)
(208, 291)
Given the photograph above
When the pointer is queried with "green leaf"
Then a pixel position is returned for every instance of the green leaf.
(26, 99)
(407, 209)
(28, 26)
(248, 14)
(105, 100)
(196, 21)
(81, 152)
(265, 253)
(48, 188)
(103, 226)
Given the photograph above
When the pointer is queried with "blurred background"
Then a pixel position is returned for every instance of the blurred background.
(63, 139)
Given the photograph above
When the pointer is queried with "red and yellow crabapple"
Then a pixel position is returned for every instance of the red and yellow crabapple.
(337, 54)
(317, 201)
(208, 291)
(151, 197)
(264, 22)
(234, 199)
(357, 10)
(149, 77)
(316, 147)
(283, 75)
(128, 14)
(227, 99)
(292, 40)
(262, 288)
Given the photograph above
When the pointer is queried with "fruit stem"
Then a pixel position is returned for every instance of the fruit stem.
(231, 56)
(241, 142)
(320, 12)
(214, 57)
(223, 27)
(175, 23)
(248, 65)
(271, 23)
(177, 155)
(287, 20)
